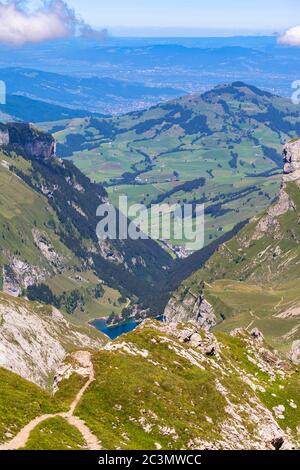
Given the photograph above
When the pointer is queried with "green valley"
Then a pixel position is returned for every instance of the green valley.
(229, 139)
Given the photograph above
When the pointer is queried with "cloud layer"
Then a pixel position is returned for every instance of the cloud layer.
(53, 20)
(291, 37)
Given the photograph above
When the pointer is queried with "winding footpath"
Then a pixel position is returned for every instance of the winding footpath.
(92, 443)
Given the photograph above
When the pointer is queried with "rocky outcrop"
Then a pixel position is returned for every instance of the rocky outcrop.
(19, 275)
(25, 139)
(45, 246)
(34, 339)
(295, 352)
(4, 135)
(191, 309)
(291, 154)
(291, 173)
(269, 222)
(79, 362)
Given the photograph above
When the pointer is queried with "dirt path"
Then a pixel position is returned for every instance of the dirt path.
(22, 437)
(279, 303)
(92, 443)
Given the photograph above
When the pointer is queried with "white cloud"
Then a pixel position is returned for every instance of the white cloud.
(291, 37)
(53, 20)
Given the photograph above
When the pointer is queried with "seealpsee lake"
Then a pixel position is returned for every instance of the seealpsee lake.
(114, 332)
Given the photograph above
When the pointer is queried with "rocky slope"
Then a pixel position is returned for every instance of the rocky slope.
(253, 278)
(35, 339)
(176, 386)
(165, 386)
(191, 308)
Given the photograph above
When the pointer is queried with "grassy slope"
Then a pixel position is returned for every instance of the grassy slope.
(85, 283)
(20, 402)
(55, 434)
(228, 150)
(135, 398)
(253, 282)
(153, 390)
(22, 210)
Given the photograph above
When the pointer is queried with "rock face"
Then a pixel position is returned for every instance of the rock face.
(20, 274)
(24, 138)
(291, 173)
(34, 339)
(291, 154)
(79, 362)
(191, 309)
(4, 135)
(295, 352)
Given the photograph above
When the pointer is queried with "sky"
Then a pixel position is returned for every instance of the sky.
(190, 16)
(35, 21)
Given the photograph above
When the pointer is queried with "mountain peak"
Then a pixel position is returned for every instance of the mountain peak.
(236, 88)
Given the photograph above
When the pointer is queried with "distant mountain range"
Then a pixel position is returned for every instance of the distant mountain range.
(189, 64)
(93, 94)
(23, 109)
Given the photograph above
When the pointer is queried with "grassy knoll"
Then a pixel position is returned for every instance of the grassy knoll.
(55, 434)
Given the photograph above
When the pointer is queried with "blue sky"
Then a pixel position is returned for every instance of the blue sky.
(190, 16)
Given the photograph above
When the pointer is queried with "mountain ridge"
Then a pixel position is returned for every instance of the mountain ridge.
(99, 95)
(49, 232)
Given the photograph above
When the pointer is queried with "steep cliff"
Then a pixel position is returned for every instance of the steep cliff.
(26, 139)
(291, 174)
(191, 308)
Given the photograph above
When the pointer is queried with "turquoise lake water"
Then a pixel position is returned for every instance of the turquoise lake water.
(114, 331)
